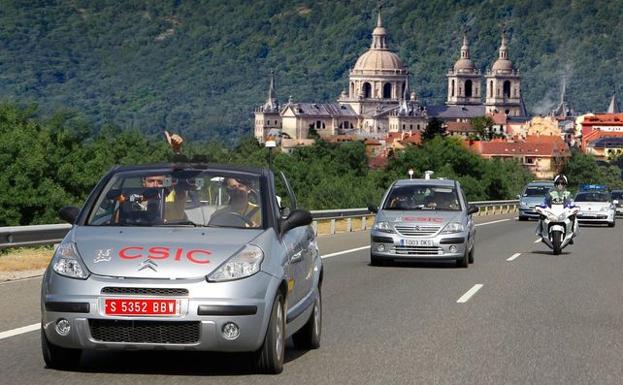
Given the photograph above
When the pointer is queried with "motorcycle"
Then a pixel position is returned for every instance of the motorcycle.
(557, 227)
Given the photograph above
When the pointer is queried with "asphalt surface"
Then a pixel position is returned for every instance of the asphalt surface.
(536, 319)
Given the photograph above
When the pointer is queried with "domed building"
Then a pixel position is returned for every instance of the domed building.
(464, 80)
(504, 86)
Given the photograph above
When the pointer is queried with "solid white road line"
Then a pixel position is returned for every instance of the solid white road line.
(344, 252)
(512, 258)
(470, 293)
(18, 331)
(488, 223)
(538, 240)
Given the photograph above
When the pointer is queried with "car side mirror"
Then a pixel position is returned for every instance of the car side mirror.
(615, 202)
(373, 208)
(518, 196)
(471, 209)
(296, 218)
(69, 214)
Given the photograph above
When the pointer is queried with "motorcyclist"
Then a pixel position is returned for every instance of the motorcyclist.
(559, 195)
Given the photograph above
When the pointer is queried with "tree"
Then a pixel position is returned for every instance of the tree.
(435, 127)
(484, 126)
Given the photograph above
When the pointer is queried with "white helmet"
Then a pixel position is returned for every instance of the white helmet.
(560, 178)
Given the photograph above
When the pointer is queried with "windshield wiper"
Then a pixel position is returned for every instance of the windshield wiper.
(181, 223)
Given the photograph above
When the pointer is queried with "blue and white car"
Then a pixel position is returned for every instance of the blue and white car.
(423, 219)
(596, 207)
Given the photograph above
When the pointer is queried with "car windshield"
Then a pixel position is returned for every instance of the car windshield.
(617, 195)
(180, 197)
(423, 197)
(536, 191)
(592, 197)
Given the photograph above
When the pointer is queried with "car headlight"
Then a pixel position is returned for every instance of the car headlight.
(523, 204)
(244, 264)
(383, 226)
(453, 227)
(67, 262)
(606, 208)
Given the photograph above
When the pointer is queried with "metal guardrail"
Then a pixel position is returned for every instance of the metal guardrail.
(353, 220)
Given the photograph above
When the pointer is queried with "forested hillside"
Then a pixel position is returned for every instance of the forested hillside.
(200, 67)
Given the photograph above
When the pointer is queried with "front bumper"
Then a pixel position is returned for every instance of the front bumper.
(204, 311)
(596, 216)
(395, 246)
(528, 213)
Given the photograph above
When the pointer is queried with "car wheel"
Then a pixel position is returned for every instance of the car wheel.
(470, 256)
(464, 261)
(271, 354)
(309, 336)
(611, 224)
(57, 357)
(522, 218)
(376, 261)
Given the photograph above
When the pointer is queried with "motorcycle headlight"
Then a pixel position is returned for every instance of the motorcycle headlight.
(67, 262)
(244, 264)
(562, 217)
(453, 227)
(383, 226)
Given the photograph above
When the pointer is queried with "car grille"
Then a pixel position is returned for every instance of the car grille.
(155, 332)
(417, 230)
(145, 291)
(416, 250)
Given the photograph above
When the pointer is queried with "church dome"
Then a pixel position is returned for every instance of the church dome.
(464, 65)
(502, 65)
(379, 60)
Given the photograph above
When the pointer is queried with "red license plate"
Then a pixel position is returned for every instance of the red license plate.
(138, 307)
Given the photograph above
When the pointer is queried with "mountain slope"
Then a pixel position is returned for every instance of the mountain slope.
(201, 67)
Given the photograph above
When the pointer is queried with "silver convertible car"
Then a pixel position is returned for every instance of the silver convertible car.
(188, 257)
(423, 219)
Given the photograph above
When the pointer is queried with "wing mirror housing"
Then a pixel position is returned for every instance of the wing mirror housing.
(615, 202)
(69, 214)
(373, 208)
(471, 209)
(296, 218)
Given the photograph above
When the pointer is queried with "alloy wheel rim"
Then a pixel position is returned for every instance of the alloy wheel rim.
(279, 332)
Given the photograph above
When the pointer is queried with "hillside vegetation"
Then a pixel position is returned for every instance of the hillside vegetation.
(200, 67)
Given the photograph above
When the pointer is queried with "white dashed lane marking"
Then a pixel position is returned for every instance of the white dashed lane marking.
(470, 293)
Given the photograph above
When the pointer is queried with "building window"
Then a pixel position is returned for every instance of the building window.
(452, 89)
(507, 89)
(317, 123)
(468, 88)
(367, 90)
(387, 91)
(490, 88)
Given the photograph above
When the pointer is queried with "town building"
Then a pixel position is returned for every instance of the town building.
(378, 99)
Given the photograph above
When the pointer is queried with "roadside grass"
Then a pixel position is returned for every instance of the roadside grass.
(25, 258)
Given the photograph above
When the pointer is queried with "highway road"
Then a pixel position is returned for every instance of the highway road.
(519, 315)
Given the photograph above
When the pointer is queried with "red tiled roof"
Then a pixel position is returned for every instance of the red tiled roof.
(378, 162)
(459, 127)
(415, 138)
(499, 118)
(503, 148)
(614, 119)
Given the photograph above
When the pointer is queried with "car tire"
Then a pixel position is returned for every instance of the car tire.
(464, 261)
(270, 357)
(57, 357)
(521, 219)
(470, 256)
(376, 261)
(308, 337)
(612, 224)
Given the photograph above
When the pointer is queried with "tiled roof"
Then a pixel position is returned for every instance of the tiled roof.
(455, 112)
(322, 110)
(603, 142)
(615, 119)
(459, 127)
(504, 148)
